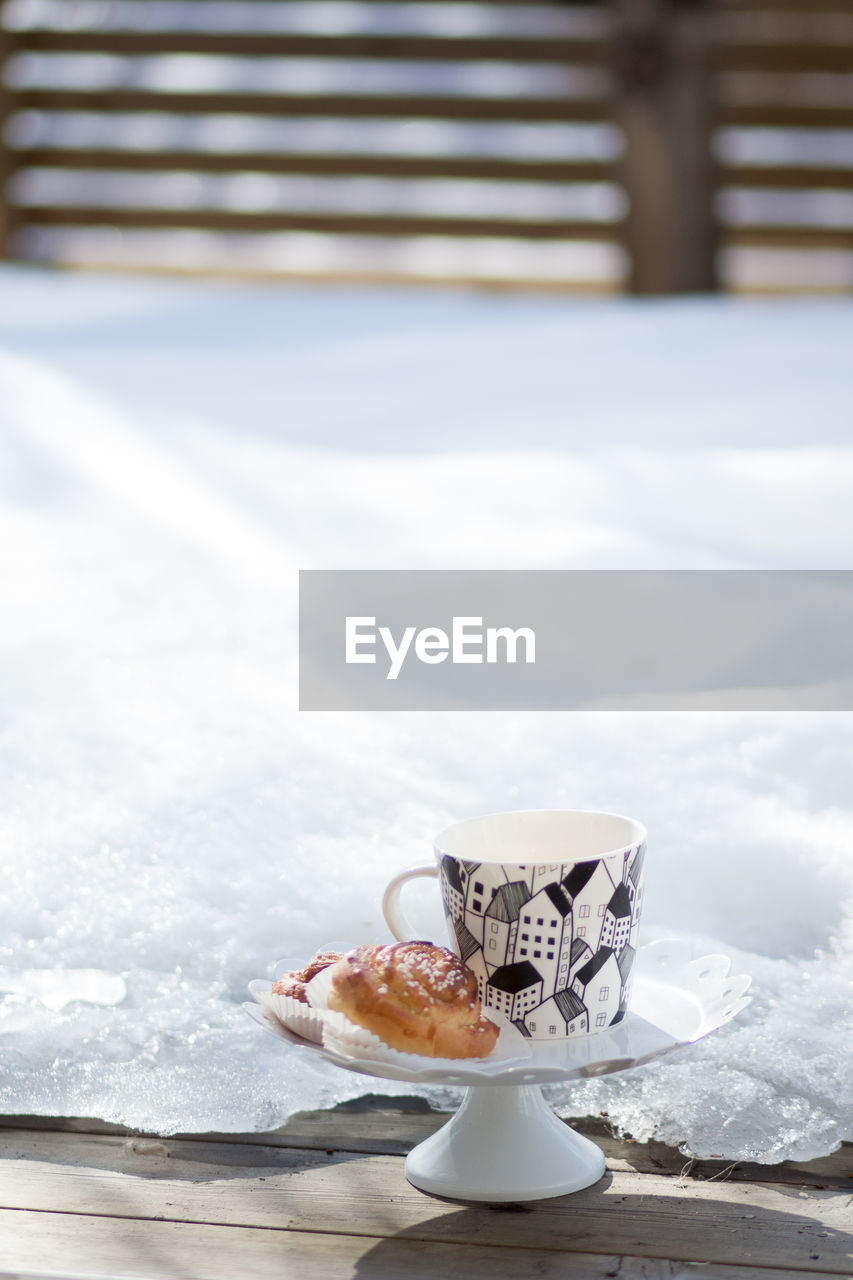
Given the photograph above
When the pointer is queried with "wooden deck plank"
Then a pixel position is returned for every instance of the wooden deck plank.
(357, 1130)
(96, 1248)
(381, 1125)
(232, 1185)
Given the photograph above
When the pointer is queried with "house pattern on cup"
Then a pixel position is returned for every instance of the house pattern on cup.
(552, 945)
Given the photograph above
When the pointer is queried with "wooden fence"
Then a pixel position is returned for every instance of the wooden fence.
(656, 145)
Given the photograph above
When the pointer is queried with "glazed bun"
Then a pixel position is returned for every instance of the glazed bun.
(416, 997)
(294, 984)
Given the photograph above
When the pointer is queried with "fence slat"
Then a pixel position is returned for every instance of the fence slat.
(433, 107)
(773, 237)
(758, 55)
(802, 59)
(338, 223)
(425, 47)
(785, 177)
(791, 115)
(744, 9)
(394, 166)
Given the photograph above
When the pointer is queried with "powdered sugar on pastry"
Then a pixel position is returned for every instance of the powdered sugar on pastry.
(416, 997)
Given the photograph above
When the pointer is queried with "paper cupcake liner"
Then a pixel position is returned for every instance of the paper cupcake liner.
(296, 1016)
(317, 990)
(347, 1040)
(304, 1019)
(350, 1040)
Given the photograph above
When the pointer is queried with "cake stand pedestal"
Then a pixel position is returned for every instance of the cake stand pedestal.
(504, 1144)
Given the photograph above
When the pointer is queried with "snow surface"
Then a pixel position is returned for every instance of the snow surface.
(172, 453)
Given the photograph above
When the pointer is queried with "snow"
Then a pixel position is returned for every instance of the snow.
(172, 453)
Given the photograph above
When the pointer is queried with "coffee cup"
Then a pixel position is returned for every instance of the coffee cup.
(544, 907)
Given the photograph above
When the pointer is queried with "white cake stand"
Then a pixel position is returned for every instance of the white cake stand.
(505, 1143)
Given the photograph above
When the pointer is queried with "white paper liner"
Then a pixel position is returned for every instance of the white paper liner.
(317, 990)
(350, 1040)
(346, 1040)
(298, 1017)
(305, 1019)
(294, 1015)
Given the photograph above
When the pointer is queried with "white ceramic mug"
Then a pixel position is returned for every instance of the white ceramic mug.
(544, 906)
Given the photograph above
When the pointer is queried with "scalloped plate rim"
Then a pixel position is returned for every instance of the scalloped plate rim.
(550, 1069)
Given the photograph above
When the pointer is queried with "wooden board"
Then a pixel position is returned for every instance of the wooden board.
(334, 223)
(552, 49)
(342, 106)
(797, 58)
(786, 177)
(92, 1249)
(338, 164)
(107, 1204)
(382, 1125)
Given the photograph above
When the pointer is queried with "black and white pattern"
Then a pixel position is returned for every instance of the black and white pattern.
(552, 945)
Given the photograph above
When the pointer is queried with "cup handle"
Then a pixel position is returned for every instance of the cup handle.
(394, 918)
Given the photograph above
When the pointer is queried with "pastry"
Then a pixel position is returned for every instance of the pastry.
(416, 997)
(294, 984)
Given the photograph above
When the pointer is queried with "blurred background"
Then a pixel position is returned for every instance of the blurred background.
(649, 146)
